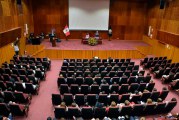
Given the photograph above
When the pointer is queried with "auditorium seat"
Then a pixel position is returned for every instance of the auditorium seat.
(113, 112)
(123, 89)
(74, 89)
(4, 109)
(60, 112)
(68, 98)
(18, 109)
(124, 97)
(9, 96)
(148, 109)
(87, 112)
(91, 99)
(31, 89)
(73, 112)
(160, 107)
(100, 113)
(64, 88)
(94, 89)
(125, 110)
(103, 99)
(21, 97)
(169, 106)
(80, 99)
(84, 89)
(2, 85)
(137, 110)
(56, 99)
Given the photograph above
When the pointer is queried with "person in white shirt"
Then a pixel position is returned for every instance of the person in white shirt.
(87, 36)
(16, 49)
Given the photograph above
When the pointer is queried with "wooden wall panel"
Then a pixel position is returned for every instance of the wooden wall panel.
(168, 38)
(166, 19)
(127, 18)
(15, 16)
(61, 54)
(9, 36)
(6, 53)
(160, 49)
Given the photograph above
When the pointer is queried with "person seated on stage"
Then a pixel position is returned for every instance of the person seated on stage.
(97, 35)
(87, 36)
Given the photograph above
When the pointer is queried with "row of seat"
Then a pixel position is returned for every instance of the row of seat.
(110, 80)
(124, 88)
(114, 112)
(18, 97)
(14, 108)
(97, 60)
(106, 99)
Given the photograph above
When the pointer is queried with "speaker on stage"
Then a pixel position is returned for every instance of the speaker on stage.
(162, 4)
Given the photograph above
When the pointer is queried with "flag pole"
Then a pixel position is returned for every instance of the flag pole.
(66, 38)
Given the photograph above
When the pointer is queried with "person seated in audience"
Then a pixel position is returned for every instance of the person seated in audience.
(126, 103)
(113, 105)
(149, 101)
(63, 105)
(49, 118)
(99, 105)
(75, 106)
(103, 82)
(172, 116)
(87, 36)
(151, 81)
(173, 84)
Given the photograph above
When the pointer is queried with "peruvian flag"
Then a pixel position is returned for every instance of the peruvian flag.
(66, 30)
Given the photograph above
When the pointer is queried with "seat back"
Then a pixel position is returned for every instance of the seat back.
(149, 108)
(64, 88)
(60, 112)
(15, 110)
(99, 113)
(159, 108)
(126, 110)
(87, 112)
(124, 97)
(113, 112)
(30, 88)
(91, 99)
(170, 106)
(4, 110)
(73, 112)
(103, 99)
(68, 98)
(84, 89)
(74, 89)
(123, 89)
(56, 99)
(137, 110)
(8, 96)
(80, 99)
(94, 89)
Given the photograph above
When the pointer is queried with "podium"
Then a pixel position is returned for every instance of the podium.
(54, 42)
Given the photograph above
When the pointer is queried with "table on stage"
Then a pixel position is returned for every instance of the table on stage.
(85, 40)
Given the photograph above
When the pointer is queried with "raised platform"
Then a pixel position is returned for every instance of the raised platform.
(76, 49)
(106, 45)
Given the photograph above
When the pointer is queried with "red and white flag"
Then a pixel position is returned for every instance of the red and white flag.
(66, 30)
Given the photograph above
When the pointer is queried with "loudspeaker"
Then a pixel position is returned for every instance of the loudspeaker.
(162, 4)
(18, 2)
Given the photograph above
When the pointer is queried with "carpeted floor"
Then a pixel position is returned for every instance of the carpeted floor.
(41, 105)
(106, 45)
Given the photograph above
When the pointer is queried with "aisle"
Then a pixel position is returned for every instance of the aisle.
(41, 105)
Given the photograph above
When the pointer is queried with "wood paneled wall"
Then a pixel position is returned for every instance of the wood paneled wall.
(14, 16)
(159, 49)
(166, 19)
(127, 18)
(6, 53)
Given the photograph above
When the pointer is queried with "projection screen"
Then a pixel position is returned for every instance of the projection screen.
(88, 14)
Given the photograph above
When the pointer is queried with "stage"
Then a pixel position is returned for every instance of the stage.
(76, 49)
(106, 45)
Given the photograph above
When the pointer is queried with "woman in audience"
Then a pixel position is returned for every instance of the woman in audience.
(75, 106)
(63, 104)
(113, 105)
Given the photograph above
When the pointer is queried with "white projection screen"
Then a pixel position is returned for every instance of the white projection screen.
(89, 14)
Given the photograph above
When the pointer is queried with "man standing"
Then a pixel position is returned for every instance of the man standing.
(110, 32)
(16, 49)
